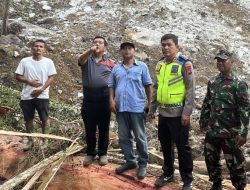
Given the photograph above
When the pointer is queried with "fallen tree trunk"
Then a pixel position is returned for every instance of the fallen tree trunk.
(199, 166)
(10, 184)
(71, 150)
(248, 164)
(3, 132)
(33, 179)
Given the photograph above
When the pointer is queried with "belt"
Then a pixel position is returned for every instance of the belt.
(167, 106)
(95, 90)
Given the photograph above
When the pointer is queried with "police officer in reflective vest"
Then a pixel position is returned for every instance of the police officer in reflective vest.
(174, 96)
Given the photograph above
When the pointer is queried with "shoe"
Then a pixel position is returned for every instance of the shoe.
(216, 186)
(88, 160)
(29, 144)
(141, 172)
(125, 167)
(188, 186)
(103, 160)
(163, 180)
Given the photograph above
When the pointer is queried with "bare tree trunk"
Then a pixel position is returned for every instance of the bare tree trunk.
(16, 180)
(5, 17)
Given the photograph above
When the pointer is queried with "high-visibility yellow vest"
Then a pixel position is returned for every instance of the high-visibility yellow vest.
(171, 87)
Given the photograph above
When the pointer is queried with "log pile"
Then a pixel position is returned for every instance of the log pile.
(33, 173)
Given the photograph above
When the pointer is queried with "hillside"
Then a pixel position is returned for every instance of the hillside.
(69, 26)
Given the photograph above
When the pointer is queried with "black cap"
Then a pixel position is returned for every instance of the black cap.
(124, 44)
(224, 54)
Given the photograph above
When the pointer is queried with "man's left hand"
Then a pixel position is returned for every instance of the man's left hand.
(185, 120)
(37, 92)
(240, 140)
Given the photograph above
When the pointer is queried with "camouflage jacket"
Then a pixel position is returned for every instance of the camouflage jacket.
(226, 107)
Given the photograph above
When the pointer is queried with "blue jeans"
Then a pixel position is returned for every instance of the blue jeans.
(132, 122)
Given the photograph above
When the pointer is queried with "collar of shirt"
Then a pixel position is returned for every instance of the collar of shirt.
(135, 62)
(230, 76)
(175, 59)
(168, 62)
(104, 58)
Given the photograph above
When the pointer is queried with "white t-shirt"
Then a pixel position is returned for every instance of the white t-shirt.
(35, 70)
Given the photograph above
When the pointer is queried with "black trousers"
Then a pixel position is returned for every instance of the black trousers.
(170, 132)
(96, 114)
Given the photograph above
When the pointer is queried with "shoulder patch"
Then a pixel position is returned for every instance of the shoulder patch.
(182, 59)
(188, 68)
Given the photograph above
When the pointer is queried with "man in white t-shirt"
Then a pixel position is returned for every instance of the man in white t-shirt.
(36, 73)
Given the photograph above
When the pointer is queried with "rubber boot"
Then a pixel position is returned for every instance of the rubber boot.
(29, 144)
(29, 129)
(45, 124)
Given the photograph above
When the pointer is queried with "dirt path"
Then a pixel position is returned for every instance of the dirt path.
(74, 176)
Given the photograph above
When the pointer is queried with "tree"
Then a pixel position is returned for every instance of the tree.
(5, 17)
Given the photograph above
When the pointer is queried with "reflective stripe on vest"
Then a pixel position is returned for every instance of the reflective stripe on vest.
(171, 87)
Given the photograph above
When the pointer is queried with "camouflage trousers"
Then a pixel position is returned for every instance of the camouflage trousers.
(234, 159)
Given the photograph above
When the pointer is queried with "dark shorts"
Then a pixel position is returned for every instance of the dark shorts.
(29, 106)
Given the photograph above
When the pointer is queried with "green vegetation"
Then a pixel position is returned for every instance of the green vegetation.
(65, 119)
(10, 98)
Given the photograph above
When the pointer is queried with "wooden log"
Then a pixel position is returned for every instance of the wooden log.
(3, 132)
(200, 167)
(155, 158)
(48, 179)
(13, 182)
(33, 179)
(248, 163)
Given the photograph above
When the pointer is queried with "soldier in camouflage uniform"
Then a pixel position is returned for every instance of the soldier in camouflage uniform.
(225, 119)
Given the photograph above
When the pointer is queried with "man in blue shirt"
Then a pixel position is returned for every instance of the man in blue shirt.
(128, 82)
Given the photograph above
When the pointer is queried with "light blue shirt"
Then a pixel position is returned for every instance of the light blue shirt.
(129, 86)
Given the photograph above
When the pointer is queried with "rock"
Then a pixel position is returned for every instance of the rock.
(31, 15)
(147, 37)
(79, 94)
(46, 7)
(16, 54)
(25, 51)
(87, 9)
(238, 29)
(3, 59)
(15, 28)
(100, 4)
(144, 12)
(141, 55)
(48, 20)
